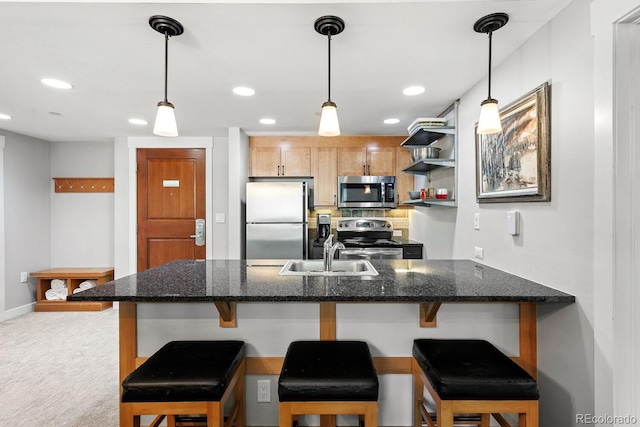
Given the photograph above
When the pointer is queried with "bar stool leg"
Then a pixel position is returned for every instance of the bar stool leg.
(445, 415)
(371, 416)
(485, 420)
(238, 394)
(327, 421)
(171, 421)
(215, 415)
(285, 418)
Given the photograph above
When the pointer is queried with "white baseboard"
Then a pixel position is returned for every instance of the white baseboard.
(18, 311)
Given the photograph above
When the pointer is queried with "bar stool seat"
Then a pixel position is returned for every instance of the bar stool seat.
(471, 376)
(187, 377)
(328, 378)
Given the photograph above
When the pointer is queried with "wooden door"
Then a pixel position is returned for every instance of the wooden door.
(325, 176)
(352, 161)
(265, 161)
(381, 161)
(295, 161)
(171, 196)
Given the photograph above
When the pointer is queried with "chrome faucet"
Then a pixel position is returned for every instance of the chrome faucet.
(329, 251)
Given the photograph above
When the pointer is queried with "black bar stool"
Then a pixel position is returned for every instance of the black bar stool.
(328, 378)
(187, 377)
(471, 376)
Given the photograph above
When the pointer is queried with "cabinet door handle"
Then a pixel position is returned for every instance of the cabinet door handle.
(364, 169)
(282, 170)
(335, 199)
(278, 170)
(369, 169)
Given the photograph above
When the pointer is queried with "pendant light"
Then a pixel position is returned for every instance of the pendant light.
(329, 126)
(489, 121)
(166, 119)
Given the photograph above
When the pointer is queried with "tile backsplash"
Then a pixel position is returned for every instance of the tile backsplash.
(398, 217)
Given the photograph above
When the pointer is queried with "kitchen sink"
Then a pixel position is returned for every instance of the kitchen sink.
(296, 267)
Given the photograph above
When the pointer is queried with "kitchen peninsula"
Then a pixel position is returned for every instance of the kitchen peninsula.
(225, 283)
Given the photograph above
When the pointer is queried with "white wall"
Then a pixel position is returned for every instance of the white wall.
(616, 214)
(555, 246)
(82, 224)
(27, 213)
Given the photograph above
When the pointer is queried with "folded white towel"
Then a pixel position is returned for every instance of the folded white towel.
(88, 284)
(56, 294)
(76, 290)
(58, 284)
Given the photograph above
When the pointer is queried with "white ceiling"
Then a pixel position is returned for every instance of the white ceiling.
(115, 61)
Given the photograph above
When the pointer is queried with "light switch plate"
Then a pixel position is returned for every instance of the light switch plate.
(476, 221)
(220, 218)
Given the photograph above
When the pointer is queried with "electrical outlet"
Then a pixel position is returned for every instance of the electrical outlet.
(476, 221)
(264, 390)
(478, 252)
(24, 277)
(397, 233)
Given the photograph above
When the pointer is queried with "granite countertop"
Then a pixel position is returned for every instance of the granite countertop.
(398, 281)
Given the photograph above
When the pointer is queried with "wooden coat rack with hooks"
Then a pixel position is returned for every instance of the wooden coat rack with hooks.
(83, 185)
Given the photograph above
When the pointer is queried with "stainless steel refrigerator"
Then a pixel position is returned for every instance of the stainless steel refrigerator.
(276, 220)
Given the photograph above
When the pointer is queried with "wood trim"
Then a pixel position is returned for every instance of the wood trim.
(320, 141)
(83, 185)
(393, 365)
(327, 321)
(227, 312)
(528, 333)
(264, 365)
(128, 331)
(273, 365)
(428, 312)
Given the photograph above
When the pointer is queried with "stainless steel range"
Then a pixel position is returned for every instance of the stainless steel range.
(372, 239)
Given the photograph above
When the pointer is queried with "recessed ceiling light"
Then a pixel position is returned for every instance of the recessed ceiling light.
(391, 121)
(58, 84)
(139, 122)
(413, 90)
(5, 116)
(268, 121)
(244, 91)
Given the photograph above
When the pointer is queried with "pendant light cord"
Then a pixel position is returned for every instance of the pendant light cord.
(329, 67)
(166, 64)
(490, 38)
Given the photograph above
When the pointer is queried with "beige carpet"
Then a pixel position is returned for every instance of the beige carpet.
(59, 369)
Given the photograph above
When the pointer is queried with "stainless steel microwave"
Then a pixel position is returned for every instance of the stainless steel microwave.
(367, 192)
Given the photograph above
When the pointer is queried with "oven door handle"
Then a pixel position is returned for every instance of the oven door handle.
(377, 251)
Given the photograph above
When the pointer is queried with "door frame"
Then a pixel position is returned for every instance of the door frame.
(160, 142)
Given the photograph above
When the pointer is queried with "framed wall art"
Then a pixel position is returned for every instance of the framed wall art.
(515, 164)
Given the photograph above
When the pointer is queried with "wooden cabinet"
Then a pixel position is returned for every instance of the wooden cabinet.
(370, 160)
(73, 278)
(404, 182)
(280, 161)
(325, 175)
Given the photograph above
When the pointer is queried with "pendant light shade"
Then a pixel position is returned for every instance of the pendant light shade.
(165, 118)
(329, 125)
(489, 121)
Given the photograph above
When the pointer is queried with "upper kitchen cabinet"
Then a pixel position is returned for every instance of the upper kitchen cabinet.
(441, 171)
(404, 181)
(280, 161)
(325, 175)
(369, 160)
